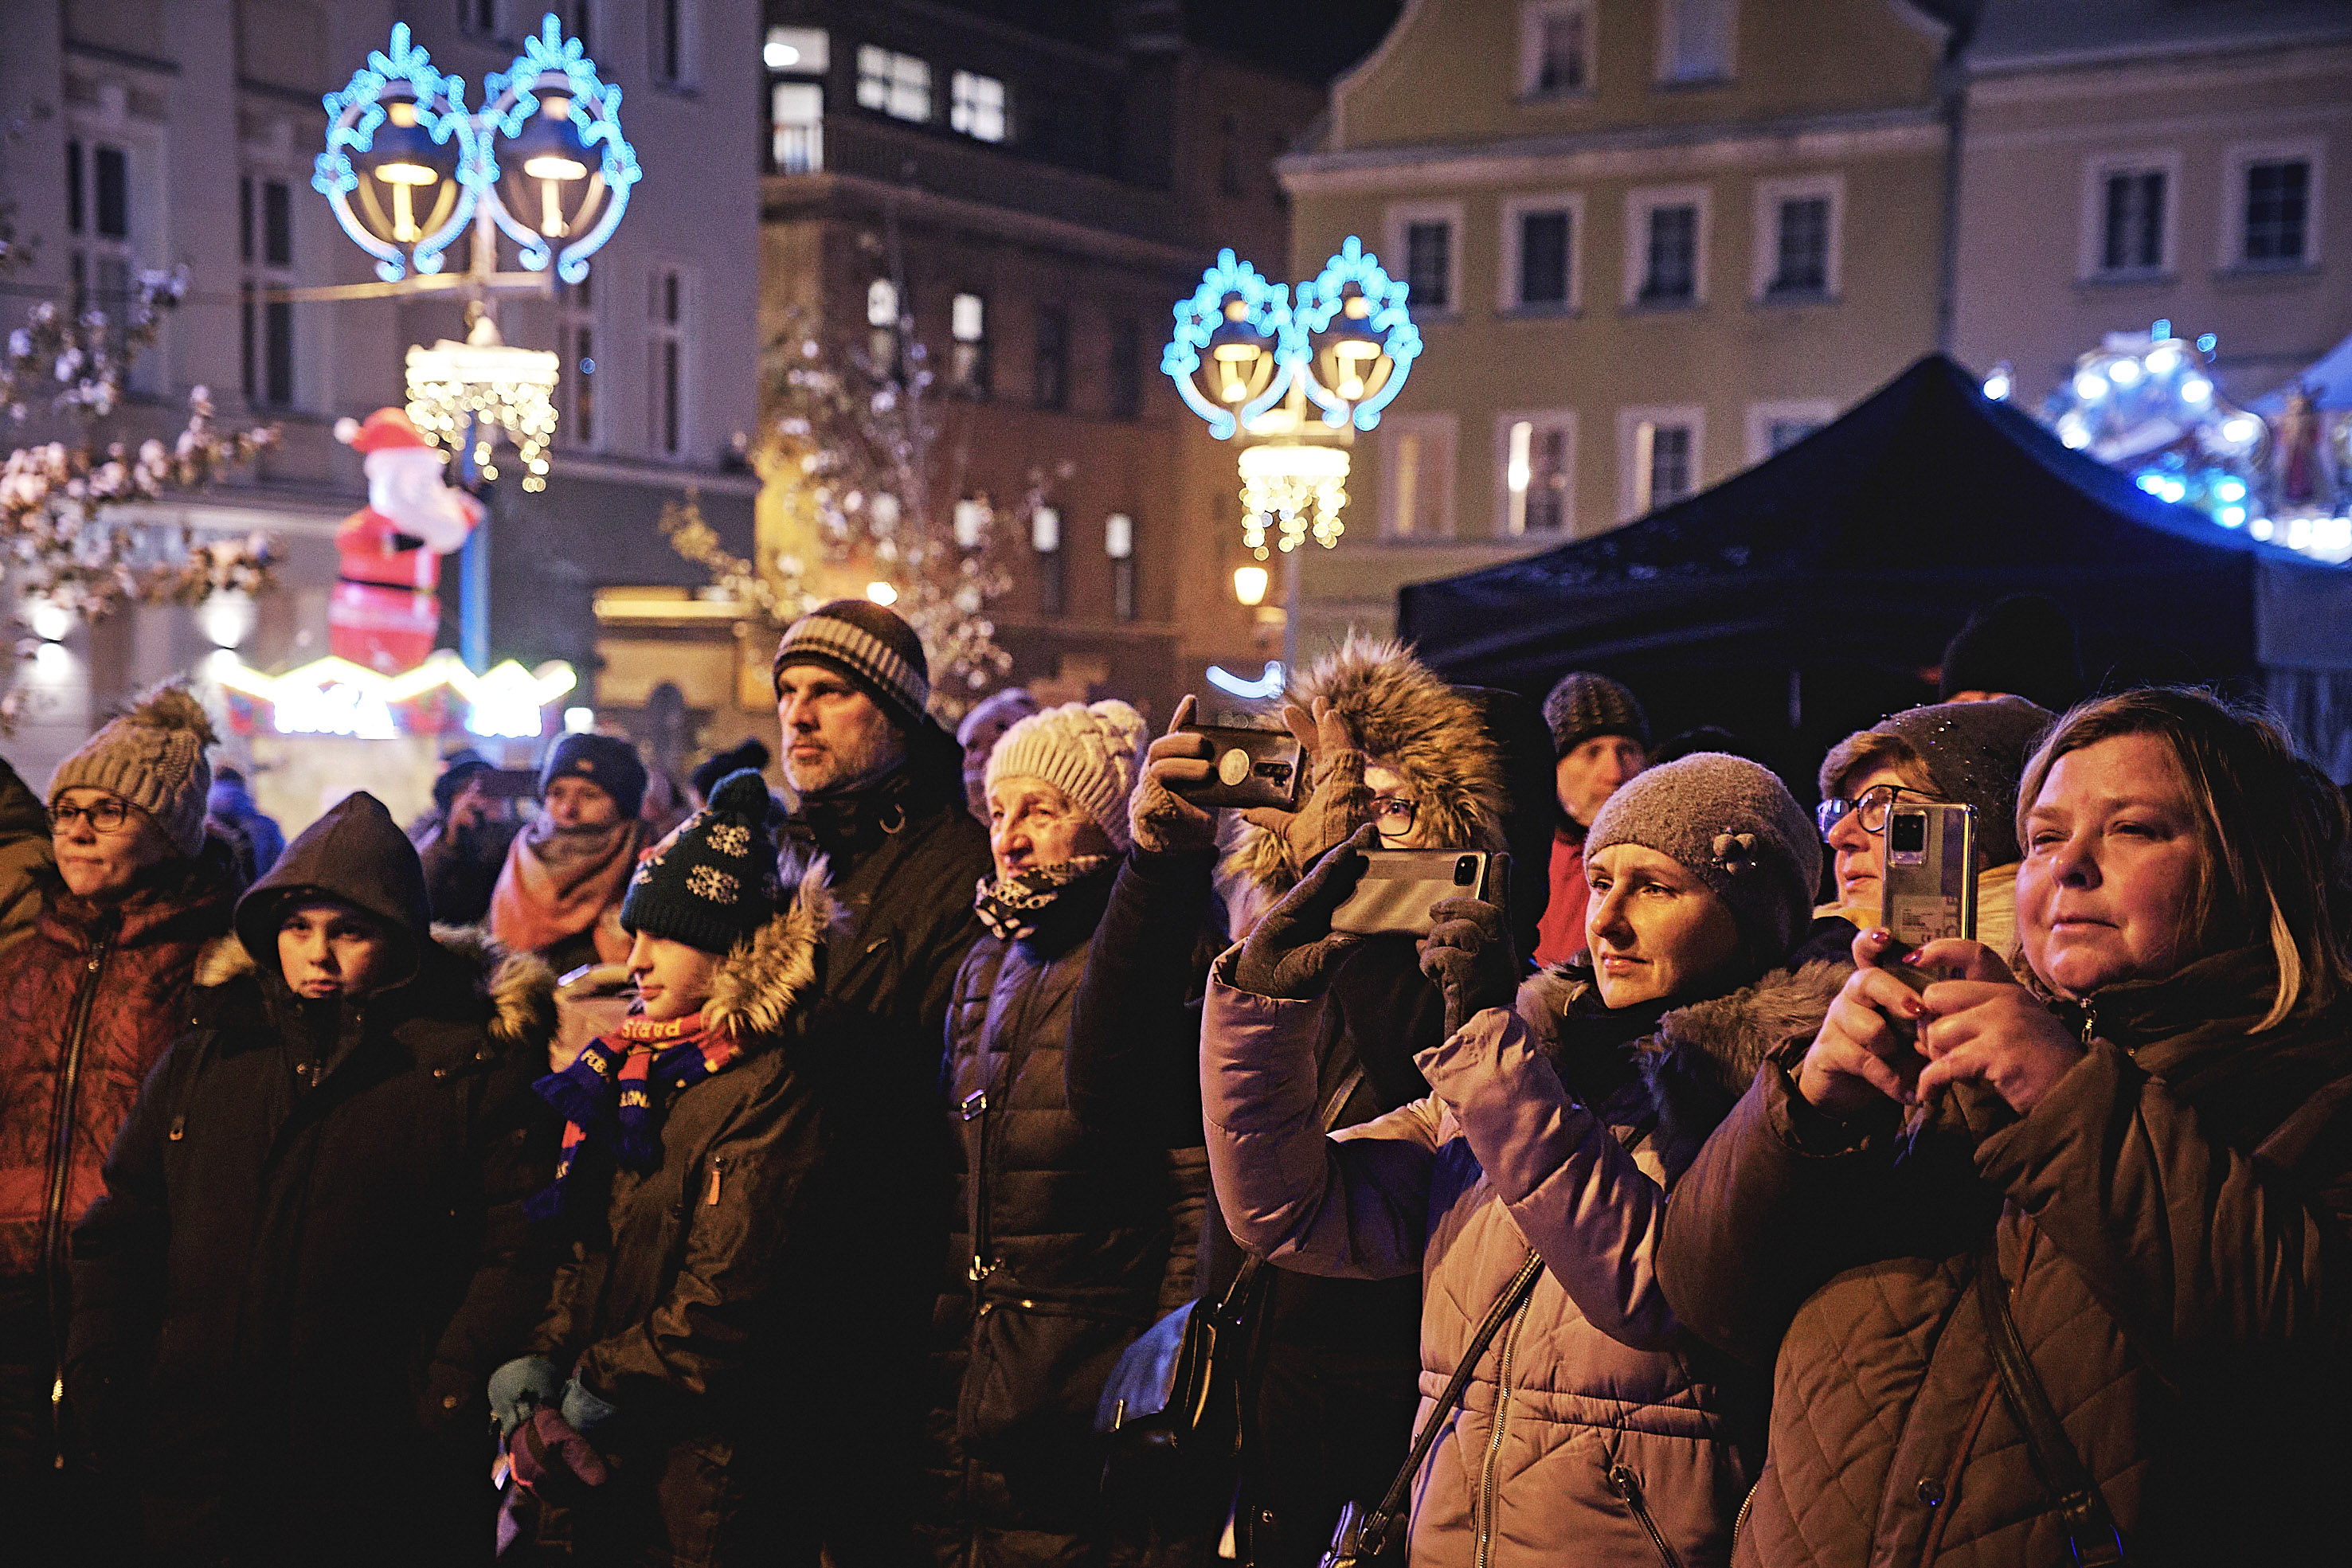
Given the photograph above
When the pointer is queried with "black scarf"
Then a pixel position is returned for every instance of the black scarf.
(1014, 907)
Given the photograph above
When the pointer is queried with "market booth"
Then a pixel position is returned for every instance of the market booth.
(1811, 594)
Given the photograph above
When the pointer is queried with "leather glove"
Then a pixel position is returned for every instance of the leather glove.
(554, 1460)
(522, 1385)
(1470, 955)
(1290, 952)
(1161, 820)
(1337, 799)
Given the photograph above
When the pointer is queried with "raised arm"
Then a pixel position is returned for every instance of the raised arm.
(1133, 1064)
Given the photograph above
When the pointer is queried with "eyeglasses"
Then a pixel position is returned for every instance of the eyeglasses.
(1394, 814)
(1873, 803)
(105, 816)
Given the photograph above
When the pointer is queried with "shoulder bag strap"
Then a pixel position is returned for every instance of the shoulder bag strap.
(1393, 1500)
(1234, 1304)
(2082, 1511)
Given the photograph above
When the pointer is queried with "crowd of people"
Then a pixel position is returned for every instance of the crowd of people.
(988, 1153)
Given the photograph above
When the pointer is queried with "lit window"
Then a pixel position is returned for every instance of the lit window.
(1045, 540)
(976, 107)
(1539, 453)
(897, 85)
(968, 324)
(1119, 543)
(801, 51)
(882, 303)
(796, 126)
(1420, 502)
(2278, 212)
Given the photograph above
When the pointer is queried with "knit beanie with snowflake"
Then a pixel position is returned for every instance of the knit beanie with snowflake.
(1088, 751)
(712, 883)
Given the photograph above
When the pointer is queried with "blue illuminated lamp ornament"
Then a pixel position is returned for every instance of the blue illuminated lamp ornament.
(556, 164)
(1352, 339)
(1226, 356)
(400, 146)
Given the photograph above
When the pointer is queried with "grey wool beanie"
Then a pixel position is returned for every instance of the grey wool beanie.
(153, 758)
(1733, 824)
(1583, 705)
(1976, 753)
(1087, 751)
(712, 883)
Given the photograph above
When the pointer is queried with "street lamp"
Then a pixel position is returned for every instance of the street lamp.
(399, 146)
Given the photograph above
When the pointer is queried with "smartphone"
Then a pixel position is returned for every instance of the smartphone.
(1249, 767)
(1928, 882)
(1399, 887)
(509, 784)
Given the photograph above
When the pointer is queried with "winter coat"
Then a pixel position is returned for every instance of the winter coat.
(2169, 1220)
(312, 1248)
(461, 869)
(1066, 1244)
(666, 1305)
(25, 849)
(1594, 1429)
(1563, 921)
(231, 801)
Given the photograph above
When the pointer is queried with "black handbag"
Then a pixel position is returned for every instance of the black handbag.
(1170, 1412)
(1374, 1536)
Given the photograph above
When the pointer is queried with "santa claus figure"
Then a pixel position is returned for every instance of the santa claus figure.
(383, 614)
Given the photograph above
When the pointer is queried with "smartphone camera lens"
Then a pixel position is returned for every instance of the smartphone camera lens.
(1908, 833)
(1465, 871)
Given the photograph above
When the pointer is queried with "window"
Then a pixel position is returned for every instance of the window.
(1419, 478)
(667, 374)
(579, 348)
(1658, 456)
(796, 128)
(1555, 49)
(100, 261)
(1045, 540)
(1694, 40)
(885, 308)
(479, 17)
(265, 214)
(1119, 543)
(797, 51)
(1774, 427)
(673, 23)
(1539, 234)
(1798, 226)
(1803, 247)
(895, 83)
(112, 218)
(1537, 453)
(1126, 367)
(1422, 251)
(968, 325)
(976, 105)
(1050, 379)
(1666, 236)
(2278, 208)
(2132, 226)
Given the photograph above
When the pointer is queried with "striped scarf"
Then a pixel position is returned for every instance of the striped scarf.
(614, 1095)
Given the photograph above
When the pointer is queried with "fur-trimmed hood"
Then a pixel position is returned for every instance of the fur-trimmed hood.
(519, 988)
(755, 987)
(1404, 715)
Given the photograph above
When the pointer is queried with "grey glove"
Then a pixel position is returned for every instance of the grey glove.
(1290, 952)
(1469, 954)
(522, 1385)
(1337, 799)
(1161, 820)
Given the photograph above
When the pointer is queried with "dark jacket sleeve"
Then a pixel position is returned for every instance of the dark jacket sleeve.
(1134, 1060)
(698, 1341)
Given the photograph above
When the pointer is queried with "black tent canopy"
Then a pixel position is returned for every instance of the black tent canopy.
(1810, 594)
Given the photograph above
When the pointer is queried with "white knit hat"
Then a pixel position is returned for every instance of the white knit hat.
(1087, 750)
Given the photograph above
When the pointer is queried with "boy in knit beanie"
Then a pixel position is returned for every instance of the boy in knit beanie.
(1599, 738)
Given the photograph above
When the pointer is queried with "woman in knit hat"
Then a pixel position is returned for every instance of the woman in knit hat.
(655, 1414)
(96, 990)
(1067, 1240)
(1594, 1430)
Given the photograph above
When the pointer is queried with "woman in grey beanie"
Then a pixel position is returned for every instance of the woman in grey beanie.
(1596, 1428)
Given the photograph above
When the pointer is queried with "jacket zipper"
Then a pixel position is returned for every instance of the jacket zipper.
(1490, 1479)
(975, 1109)
(60, 1153)
(1739, 1519)
(1627, 1485)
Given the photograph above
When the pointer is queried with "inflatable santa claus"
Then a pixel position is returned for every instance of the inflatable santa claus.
(383, 614)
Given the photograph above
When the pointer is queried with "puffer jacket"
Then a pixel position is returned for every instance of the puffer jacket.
(1595, 1430)
(2174, 1224)
(312, 1250)
(1067, 1244)
(670, 1305)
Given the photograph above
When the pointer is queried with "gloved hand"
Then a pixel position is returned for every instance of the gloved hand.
(1337, 800)
(1289, 953)
(1161, 820)
(1470, 955)
(554, 1462)
(589, 1003)
(583, 1410)
(522, 1385)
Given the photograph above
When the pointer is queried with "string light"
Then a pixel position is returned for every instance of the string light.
(336, 697)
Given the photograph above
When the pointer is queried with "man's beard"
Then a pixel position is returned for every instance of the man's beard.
(839, 768)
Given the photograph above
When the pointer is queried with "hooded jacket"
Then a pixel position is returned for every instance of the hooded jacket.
(1067, 1244)
(25, 849)
(311, 1249)
(1594, 1429)
(671, 1305)
(2173, 1222)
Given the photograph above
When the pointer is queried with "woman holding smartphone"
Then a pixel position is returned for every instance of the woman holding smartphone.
(2049, 1261)
(1592, 1429)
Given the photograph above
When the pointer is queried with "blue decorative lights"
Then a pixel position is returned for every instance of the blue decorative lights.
(406, 124)
(1343, 365)
(1242, 322)
(548, 115)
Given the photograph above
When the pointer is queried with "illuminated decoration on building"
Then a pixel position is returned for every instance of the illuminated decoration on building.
(1228, 356)
(401, 151)
(335, 696)
(555, 160)
(1268, 686)
(1297, 490)
(1352, 340)
(479, 388)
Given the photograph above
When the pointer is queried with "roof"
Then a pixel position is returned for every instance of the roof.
(2024, 34)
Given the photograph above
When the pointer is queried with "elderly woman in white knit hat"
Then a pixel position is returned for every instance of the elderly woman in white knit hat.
(1068, 1241)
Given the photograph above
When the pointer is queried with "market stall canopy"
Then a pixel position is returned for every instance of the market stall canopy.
(1809, 590)
(2329, 376)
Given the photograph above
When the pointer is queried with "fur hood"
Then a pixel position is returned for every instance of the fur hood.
(755, 987)
(1404, 715)
(1701, 1058)
(518, 987)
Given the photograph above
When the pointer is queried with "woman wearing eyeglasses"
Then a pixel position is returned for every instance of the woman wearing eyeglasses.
(93, 995)
(1965, 753)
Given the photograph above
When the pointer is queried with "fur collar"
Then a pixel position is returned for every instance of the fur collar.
(518, 987)
(1403, 715)
(754, 987)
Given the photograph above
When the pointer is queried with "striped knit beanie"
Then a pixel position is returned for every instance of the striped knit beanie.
(1583, 705)
(869, 648)
(1087, 751)
(153, 759)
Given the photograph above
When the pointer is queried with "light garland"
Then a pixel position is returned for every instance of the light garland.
(509, 391)
(336, 697)
(1300, 489)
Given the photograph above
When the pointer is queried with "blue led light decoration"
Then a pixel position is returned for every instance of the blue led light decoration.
(1352, 341)
(399, 148)
(555, 165)
(1226, 356)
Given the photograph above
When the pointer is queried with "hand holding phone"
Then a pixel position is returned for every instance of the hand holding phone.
(1160, 819)
(1399, 889)
(1247, 768)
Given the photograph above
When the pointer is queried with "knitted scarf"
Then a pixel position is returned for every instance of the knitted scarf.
(1013, 906)
(557, 885)
(615, 1094)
